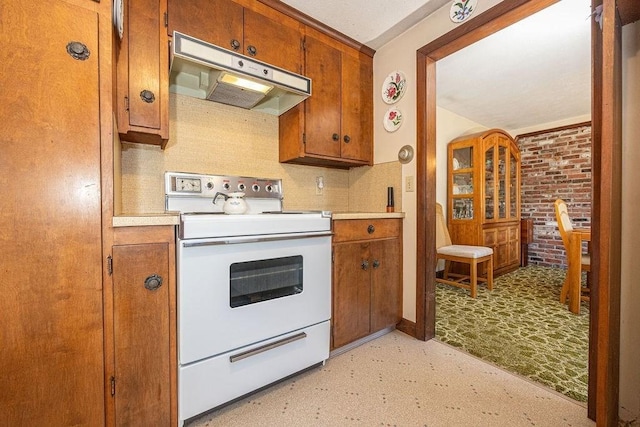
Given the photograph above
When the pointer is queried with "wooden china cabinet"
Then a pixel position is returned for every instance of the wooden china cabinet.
(483, 195)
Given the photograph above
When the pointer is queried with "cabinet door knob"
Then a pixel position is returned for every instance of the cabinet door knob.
(251, 50)
(364, 264)
(235, 44)
(335, 137)
(347, 139)
(147, 96)
(153, 282)
(78, 51)
(376, 263)
(371, 229)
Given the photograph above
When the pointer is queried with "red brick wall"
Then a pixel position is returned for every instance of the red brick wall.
(555, 165)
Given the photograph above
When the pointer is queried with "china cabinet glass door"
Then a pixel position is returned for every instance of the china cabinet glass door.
(502, 182)
(462, 183)
(489, 183)
(513, 186)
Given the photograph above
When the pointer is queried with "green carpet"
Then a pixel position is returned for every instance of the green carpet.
(520, 326)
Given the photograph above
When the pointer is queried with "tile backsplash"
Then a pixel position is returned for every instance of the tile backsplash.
(207, 137)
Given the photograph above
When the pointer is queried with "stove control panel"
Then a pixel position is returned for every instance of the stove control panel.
(199, 185)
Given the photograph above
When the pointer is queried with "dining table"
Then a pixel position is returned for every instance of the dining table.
(574, 271)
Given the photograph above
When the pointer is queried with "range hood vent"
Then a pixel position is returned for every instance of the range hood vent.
(206, 71)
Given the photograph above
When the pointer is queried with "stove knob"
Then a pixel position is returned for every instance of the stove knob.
(269, 188)
(226, 186)
(210, 185)
(255, 187)
(241, 187)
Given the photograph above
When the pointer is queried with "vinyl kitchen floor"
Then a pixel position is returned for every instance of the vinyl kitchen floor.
(396, 380)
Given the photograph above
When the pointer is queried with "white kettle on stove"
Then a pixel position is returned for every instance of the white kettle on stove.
(234, 203)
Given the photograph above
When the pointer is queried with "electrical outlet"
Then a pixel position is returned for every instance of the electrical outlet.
(408, 184)
(319, 185)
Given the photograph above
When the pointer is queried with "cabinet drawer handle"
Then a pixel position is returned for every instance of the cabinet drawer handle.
(147, 96)
(153, 282)
(335, 137)
(235, 44)
(376, 263)
(371, 229)
(251, 50)
(267, 347)
(347, 139)
(364, 264)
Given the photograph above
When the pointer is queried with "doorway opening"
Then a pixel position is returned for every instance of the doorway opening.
(492, 85)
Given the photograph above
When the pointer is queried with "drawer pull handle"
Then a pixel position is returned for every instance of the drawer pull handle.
(376, 263)
(371, 229)
(267, 347)
(364, 265)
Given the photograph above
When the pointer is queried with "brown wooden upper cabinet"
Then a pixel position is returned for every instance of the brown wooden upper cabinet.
(266, 35)
(334, 126)
(142, 76)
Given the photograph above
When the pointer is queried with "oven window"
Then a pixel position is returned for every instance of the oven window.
(265, 279)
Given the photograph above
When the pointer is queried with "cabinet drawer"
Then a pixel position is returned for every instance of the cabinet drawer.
(365, 229)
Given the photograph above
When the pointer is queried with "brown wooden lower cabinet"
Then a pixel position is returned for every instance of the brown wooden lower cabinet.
(367, 278)
(143, 382)
(504, 239)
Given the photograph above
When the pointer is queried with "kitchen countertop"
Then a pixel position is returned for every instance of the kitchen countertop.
(173, 218)
(141, 220)
(366, 215)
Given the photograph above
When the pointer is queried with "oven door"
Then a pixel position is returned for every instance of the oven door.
(233, 292)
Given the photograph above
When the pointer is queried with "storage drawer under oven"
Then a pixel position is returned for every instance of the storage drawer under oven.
(210, 383)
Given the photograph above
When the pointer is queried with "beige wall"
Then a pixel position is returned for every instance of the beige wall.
(206, 137)
(630, 298)
(400, 54)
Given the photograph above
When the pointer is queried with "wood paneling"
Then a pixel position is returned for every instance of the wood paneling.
(51, 351)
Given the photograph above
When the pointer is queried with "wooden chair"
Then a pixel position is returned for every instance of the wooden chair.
(474, 256)
(572, 240)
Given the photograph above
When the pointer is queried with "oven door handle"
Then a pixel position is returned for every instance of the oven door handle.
(236, 240)
(267, 347)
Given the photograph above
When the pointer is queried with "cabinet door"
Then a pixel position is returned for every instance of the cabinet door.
(489, 177)
(357, 108)
(386, 286)
(143, 74)
(142, 334)
(351, 293)
(514, 187)
(273, 42)
(322, 109)
(216, 21)
(51, 336)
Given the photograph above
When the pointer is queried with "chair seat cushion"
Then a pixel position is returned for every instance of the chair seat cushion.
(465, 251)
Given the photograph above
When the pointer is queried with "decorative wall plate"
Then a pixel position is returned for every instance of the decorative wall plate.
(462, 9)
(394, 87)
(118, 17)
(392, 119)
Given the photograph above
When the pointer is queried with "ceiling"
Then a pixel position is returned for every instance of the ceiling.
(536, 71)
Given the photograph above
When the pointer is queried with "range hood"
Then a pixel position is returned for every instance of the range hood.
(206, 71)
